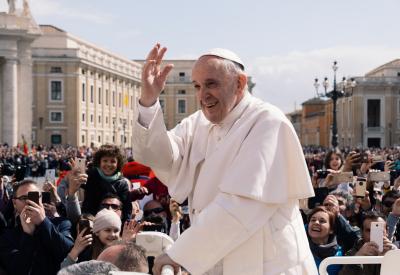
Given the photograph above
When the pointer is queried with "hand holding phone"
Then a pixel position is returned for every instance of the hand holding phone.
(80, 163)
(360, 187)
(376, 234)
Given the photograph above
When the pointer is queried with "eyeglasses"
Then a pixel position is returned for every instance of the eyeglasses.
(24, 197)
(154, 210)
(113, 206)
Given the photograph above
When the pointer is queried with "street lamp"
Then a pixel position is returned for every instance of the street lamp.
(334, 95)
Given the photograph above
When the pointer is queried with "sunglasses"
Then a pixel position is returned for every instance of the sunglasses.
(154, 210)
(113, 206)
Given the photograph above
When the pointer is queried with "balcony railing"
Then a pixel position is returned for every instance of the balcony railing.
(179, 79)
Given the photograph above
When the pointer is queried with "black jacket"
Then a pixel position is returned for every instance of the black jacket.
(96, 188)
(41, 253)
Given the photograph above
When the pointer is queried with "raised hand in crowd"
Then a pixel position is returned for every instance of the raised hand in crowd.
(368, 249)
(75, 179)
(389, 165)
(351, 160)
(176, 211)
(365, 202)
(49, 186)
(131, 229)
(50, 210)
(387, 245)
(35, 212)
(83, 240)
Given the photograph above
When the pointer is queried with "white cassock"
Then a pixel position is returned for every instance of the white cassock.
(243, 178)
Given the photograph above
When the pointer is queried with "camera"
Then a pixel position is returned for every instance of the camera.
(321, 174)
(158, 224)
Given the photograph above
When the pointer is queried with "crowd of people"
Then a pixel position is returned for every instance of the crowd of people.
(103, 207)
(91, 212)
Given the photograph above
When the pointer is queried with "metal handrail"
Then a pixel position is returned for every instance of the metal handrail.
(348, 260)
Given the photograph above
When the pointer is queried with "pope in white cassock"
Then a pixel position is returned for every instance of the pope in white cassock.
(239, 162)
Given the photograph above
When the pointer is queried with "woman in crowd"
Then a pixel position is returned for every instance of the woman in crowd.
(321, 237)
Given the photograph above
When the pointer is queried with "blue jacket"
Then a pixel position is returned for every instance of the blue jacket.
(41, 253)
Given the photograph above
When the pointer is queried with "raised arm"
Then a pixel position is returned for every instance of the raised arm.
(153, 77)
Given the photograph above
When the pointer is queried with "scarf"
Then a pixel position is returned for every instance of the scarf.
(108, 178)
(323, 251)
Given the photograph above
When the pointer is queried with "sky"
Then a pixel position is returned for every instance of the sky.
(284, 44)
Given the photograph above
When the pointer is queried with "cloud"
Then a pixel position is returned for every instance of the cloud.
(286, 80)
(63, 10)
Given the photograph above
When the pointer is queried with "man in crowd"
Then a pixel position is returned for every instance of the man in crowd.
(365, 247)
(127, 256)
(34, 244)
(239, 162)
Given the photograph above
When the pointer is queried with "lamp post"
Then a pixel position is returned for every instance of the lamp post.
(334, 95)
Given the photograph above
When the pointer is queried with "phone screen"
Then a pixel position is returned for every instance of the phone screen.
(34, 196)
(85, 224)
(46, 197)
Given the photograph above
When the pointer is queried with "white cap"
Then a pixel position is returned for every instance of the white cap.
(225, 54)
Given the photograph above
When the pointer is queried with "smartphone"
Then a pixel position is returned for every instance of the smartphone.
(46, 197)
(321, 174)
(81, 164)
(50, 175)
(361, 187)
(85, 224)
(377, 158)
(34, 196)
(185, 210)
(364, 158)
(343, 177)
(376, 234)
(379, 176)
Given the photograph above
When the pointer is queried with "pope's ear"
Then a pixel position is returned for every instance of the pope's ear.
(242, 81)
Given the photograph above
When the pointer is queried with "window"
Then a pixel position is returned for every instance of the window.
(56, 139)
(91, 94)
(106, 119)
(91, 118)
(181, 106)
(106, 97)
(56, 92)
(55, 70)
(83, 117)
(373, 113)
(181, 92)
(113, 99)
(99, 138)
(83, 138)
(99, 119)
(56, 116)
(99, 96)
(132, 102)
(83, 92)
(181, 76)
(120, 100)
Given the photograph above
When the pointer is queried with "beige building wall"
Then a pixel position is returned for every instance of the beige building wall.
(82, 94)
(371, 116)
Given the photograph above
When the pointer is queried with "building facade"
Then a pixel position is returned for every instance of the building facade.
(370, 115)
(83, 94)
(316, 122)
(17, 32)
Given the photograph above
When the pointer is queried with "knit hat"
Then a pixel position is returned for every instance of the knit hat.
(104, 219)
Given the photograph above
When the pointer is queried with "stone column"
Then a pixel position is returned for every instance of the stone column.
(10, 115)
